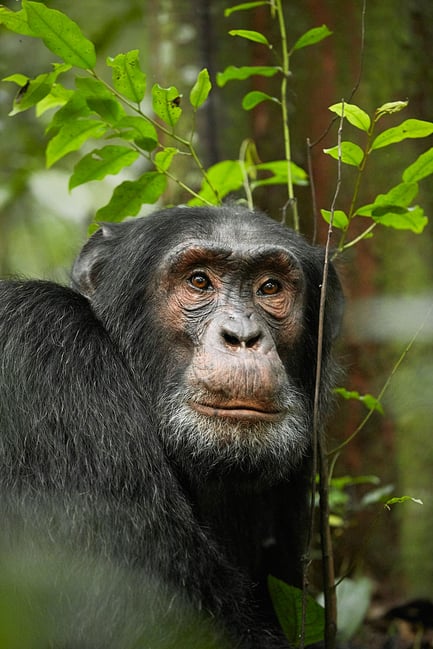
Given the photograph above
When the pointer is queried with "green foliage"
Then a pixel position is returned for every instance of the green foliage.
(96, 111)
(395, 208)
(289, 605)
(128, 79)
(313, 36)
(370, 402)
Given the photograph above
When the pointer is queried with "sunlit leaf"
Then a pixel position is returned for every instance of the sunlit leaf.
(100, 163)
(250, 35)
(370, 402)
(339, 220)
(422, 167)
(255, 97)
(280, 171)
(200, 90)
(223, 178)
(58, 96)
(354, 115)
(128, 78)
(165, 102)
(245, 5)
(410, 128)
(402, 499)
(16, 21)
(129, 196)
(401, 195)
(164, 158)
(75, 108)
(288, 604)
(413, 219)
(71, 137)
(389, 108)
(233, 72)
(60, 34)
(351, 153)
(90, 87)
(32, 91)
(312, 36)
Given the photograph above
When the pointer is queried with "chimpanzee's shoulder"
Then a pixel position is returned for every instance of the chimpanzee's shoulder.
(40, 301)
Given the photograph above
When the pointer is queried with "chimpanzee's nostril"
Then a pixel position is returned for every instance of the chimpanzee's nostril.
(231, 340)
(252, 342)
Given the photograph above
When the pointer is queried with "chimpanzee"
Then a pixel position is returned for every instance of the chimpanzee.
(156, 419)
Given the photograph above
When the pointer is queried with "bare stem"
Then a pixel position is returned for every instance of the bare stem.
(284, 112)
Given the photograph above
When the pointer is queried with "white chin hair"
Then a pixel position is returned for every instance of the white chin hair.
(211, 442)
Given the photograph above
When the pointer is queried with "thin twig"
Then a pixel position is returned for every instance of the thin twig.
(322, 462)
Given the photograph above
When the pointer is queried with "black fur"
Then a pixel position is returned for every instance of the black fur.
(85, 473)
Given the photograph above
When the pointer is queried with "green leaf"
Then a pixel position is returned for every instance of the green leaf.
(71, 137)
(139, 130)
(58, 96)
(354, 115)
(370, 402)
(351, 153)
(224, 177)
(279, 170)
(109, 109)
(401, 195)
(61, 35)
(128, 78)
(255, 97)
(75, 108)
(245, 72)
(410, 128)
(422, 167)
(389, 108)
(340, 219)
(200, 90)
(163, 159)
(250, 35)
(413, 218)
(130, 195)
(100, 163)
(402, 499)
(90, 87)
(19, 79)
(312, 36)
(32, 91)
(392, 209)
(30, 94)
(165, 102)
(16, 21)
(243, 6)
(287, 601)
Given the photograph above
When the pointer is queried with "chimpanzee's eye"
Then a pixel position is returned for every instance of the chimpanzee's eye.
(200, 281)
(270, 287)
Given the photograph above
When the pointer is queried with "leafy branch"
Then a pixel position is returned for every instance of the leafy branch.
(393, 209)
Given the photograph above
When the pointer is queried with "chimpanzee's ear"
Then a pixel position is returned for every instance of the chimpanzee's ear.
(91, 260)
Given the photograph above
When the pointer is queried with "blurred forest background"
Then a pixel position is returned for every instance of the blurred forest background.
(388, 280)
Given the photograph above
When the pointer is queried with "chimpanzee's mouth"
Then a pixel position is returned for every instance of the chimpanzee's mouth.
(238, 411)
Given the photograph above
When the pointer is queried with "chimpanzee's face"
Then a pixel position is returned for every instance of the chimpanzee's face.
(232, 314)
(216, 312)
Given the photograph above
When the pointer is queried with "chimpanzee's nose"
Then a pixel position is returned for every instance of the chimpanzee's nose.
(241, 331)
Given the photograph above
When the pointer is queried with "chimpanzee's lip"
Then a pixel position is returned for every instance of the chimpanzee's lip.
(238, 411)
